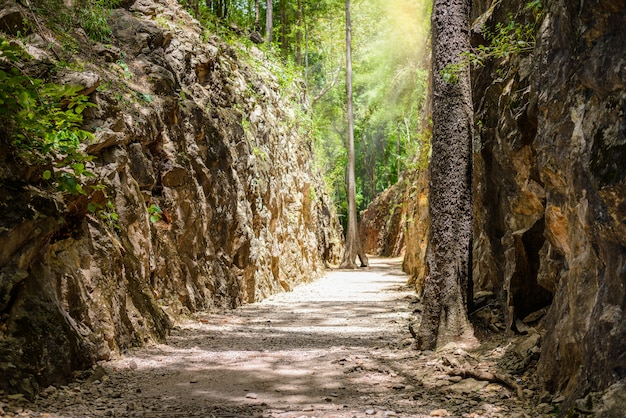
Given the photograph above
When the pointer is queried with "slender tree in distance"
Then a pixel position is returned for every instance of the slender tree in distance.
(269, 22)
(257, 13)
(448, 291)
(299, 31)
(353, 242)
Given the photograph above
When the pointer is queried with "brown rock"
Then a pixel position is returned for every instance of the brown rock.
(234, 228)
(551, 135)
(89, 81)
(13, 20)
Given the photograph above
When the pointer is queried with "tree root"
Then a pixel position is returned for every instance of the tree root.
(489, 377)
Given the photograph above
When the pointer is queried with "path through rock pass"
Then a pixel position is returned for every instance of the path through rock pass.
(338, 347)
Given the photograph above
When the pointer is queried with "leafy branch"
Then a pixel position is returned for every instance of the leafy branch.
(42, 122)
(503, 41)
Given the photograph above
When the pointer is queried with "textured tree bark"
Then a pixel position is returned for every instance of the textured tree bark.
(299, 30)
(195, 6)
(353, 243)
(284, 24)
(269, 21)
(448, 290)
(257, 24)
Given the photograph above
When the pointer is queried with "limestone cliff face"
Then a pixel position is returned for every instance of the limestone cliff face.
(550, 179)
(185, 131)
(396, 224)
(549, 188)
(381, 227)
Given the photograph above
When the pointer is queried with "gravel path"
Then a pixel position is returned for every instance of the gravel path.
(338, 347)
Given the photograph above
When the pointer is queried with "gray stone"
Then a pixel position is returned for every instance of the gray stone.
(89, 81)
(612, 404)
(467, 386)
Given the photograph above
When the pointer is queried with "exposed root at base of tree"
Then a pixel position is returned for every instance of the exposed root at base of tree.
(489, 377)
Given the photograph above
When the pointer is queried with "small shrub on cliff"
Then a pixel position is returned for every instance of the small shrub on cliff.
(42, 122)
(504, 40)
(91, 15)
(106, 213)
(155, 213)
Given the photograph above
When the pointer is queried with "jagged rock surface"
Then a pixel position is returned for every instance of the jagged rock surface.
(182, 124)
(417, 229)
(551, 188)
(381, 224)
(396, 223)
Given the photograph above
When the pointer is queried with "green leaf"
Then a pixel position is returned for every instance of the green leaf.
(78, 168)
(154, 209)
(47, 175)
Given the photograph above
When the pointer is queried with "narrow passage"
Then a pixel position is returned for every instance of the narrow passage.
(338, 347)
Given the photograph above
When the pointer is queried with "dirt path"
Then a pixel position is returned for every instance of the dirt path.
(339, 347)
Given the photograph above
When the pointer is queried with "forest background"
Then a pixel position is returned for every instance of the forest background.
(306, 41)
(390, 77)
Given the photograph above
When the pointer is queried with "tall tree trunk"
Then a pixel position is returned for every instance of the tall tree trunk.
(257, 24)
(195, 6)
(299, 31)
(225, 9)
(398, 157)
(284, 24)
(269, 21)
(306, 56)
(353, 242)
(218, 9)
(448, 291)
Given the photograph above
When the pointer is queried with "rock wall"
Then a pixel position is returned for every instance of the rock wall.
(188, 133)
(550, 179)
(396, 223)
(549, 191)
(417, 228)
(381, 227)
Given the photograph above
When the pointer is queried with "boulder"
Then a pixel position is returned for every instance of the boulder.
(13, 20)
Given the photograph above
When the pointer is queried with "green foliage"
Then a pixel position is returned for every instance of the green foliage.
(155, 213)
(125, 70)
(162, 22)
(390, 86)
(146, 97)
(42, 121)
(91, 15)
(312, 194)
(505, 40)
(260, 153)
(536, 8)
(105, 213)
(205, 35)
(93, 19)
